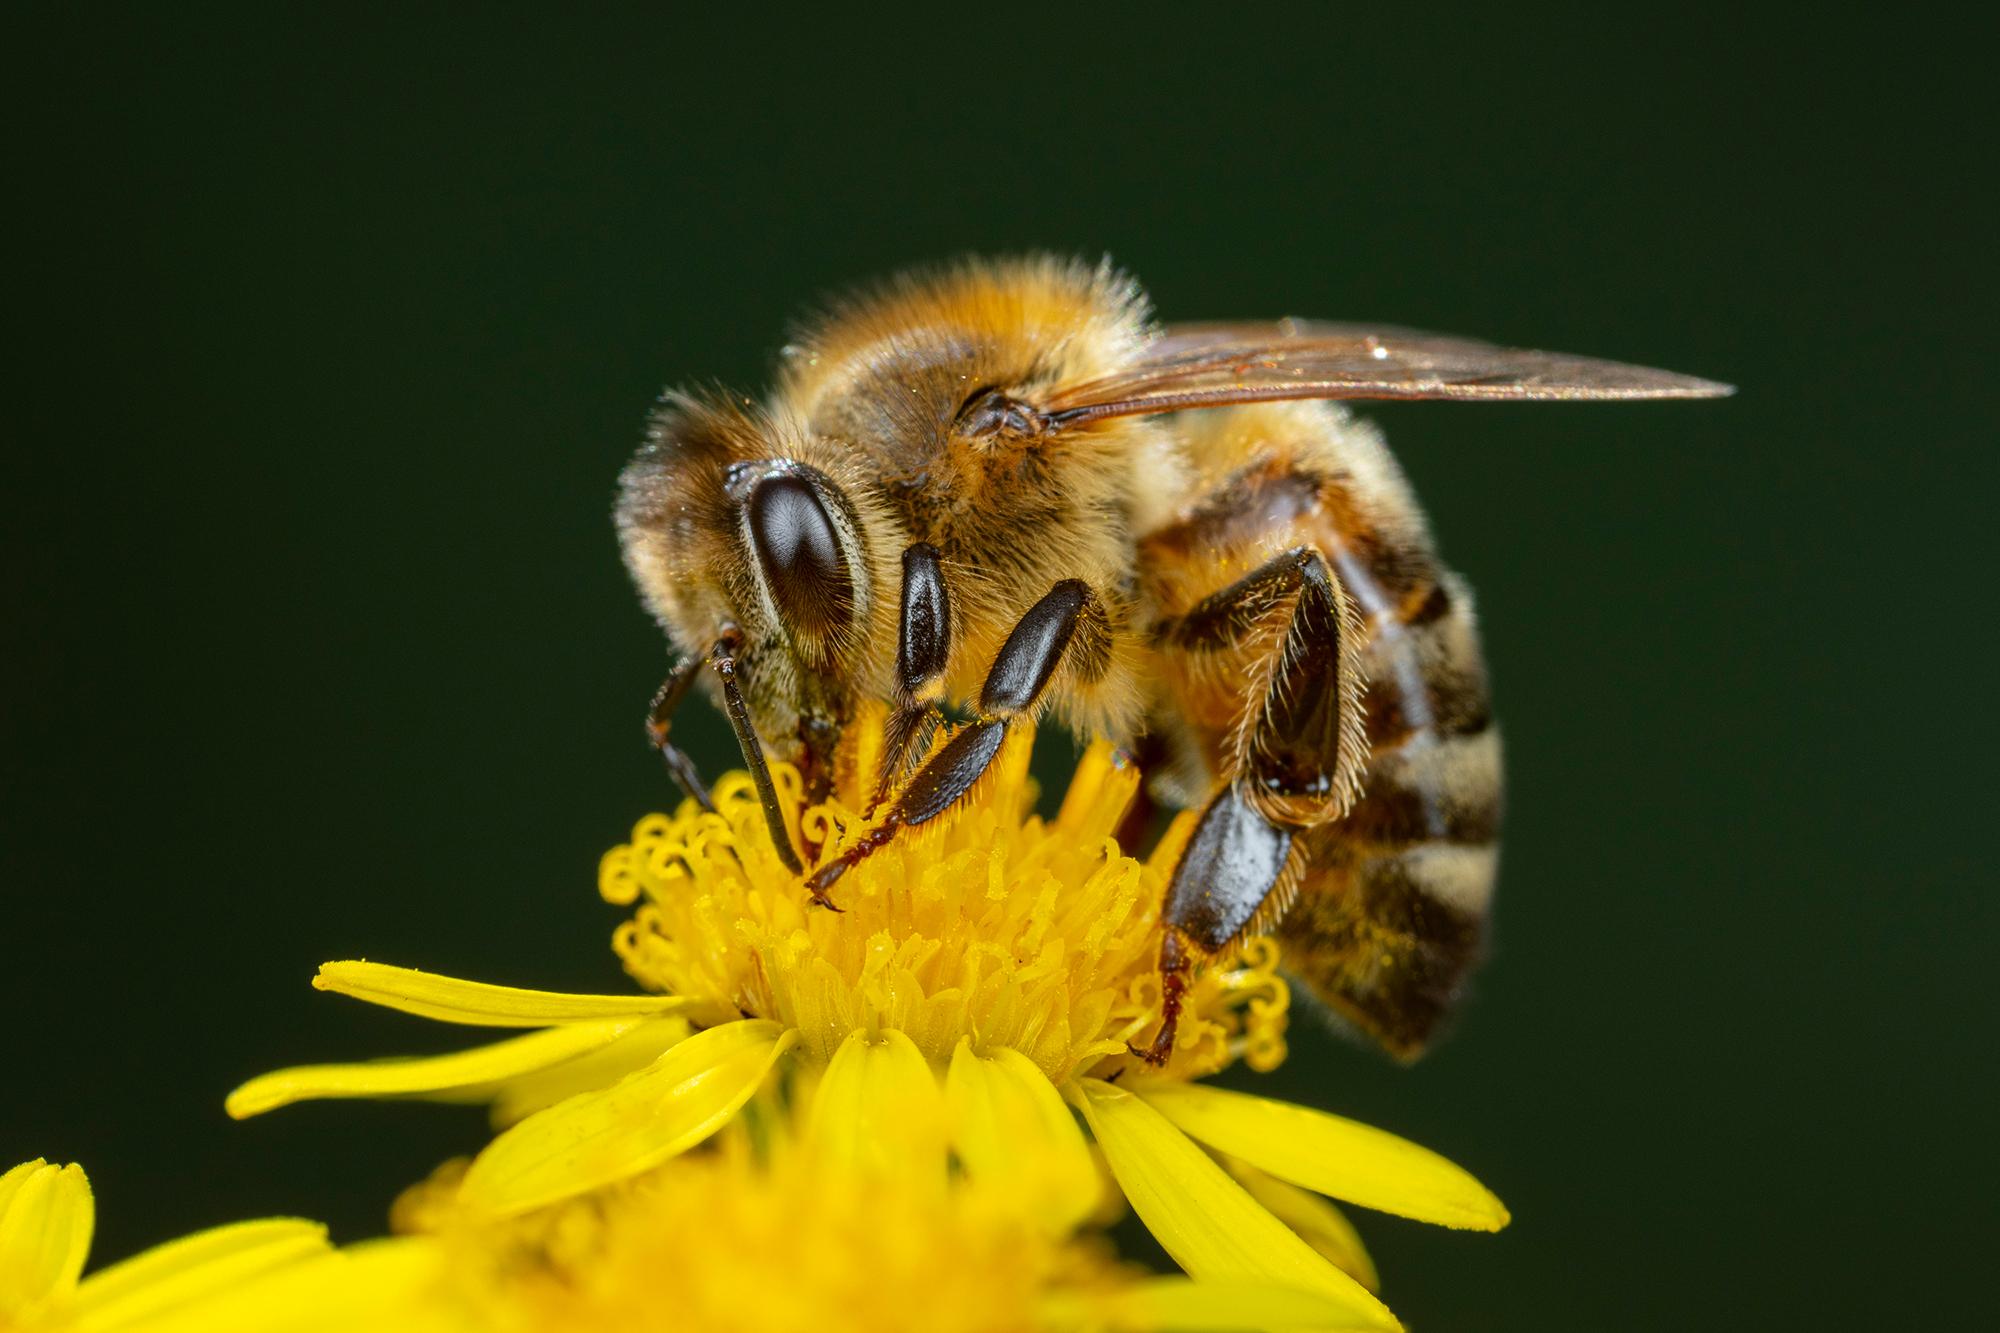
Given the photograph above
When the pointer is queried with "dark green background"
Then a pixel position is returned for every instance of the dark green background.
(336, 332)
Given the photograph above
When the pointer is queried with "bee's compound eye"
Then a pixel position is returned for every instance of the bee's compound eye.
(800, 554)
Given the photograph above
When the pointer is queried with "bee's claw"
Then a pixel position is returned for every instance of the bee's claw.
(823, 879)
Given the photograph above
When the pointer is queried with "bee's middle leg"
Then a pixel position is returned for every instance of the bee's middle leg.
(1296, 761)
(1069, 623)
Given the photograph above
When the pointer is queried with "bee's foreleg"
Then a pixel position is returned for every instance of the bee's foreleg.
(722, 658)
(1070, 616)
(659, 727)
(923, 650)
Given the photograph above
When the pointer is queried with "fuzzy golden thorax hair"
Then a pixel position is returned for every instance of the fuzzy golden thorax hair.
(871, 407)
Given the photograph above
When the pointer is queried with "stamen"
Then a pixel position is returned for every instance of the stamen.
(984, 924)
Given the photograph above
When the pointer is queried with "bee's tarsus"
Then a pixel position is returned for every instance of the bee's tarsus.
(949, 774)
(829, 874)
(1021, 672)
(1173, 991)
(1236, 865)
(659, 726)
(826, 877)
(1020, 675)
(687, 776)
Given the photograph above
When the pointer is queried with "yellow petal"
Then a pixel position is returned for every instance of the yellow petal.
(1322, 1226)
(878, 1109)
(385, 1284)
(1185, 1305)
(596, 1138)
(15, 1177)
(46, 1216)
(519, 1097)
(459, 1076)
(1201, 1217)
(1011, 1128)
(450, 1000)
(1348, 1160)
(193, 1268)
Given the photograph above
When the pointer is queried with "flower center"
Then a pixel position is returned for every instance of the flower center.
(987, 923)
(697, 1245)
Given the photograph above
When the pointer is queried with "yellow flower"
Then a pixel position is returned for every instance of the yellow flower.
(767, 1231)
(984, 975)
(47, 1216)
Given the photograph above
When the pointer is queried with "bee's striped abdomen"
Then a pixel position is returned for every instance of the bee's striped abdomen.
(1392, 897)
(1392, 905)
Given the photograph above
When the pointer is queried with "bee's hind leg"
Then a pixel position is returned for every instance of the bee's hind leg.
(1295, 761)
(1235, 864)
(1067, 624)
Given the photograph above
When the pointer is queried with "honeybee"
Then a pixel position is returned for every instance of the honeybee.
(1000, 488)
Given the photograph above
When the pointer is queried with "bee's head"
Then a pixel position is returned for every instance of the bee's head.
(741, 527)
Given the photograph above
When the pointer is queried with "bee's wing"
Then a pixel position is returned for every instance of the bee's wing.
(1209, 365)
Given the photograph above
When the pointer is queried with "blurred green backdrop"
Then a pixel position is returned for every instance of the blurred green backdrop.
(337, 330)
